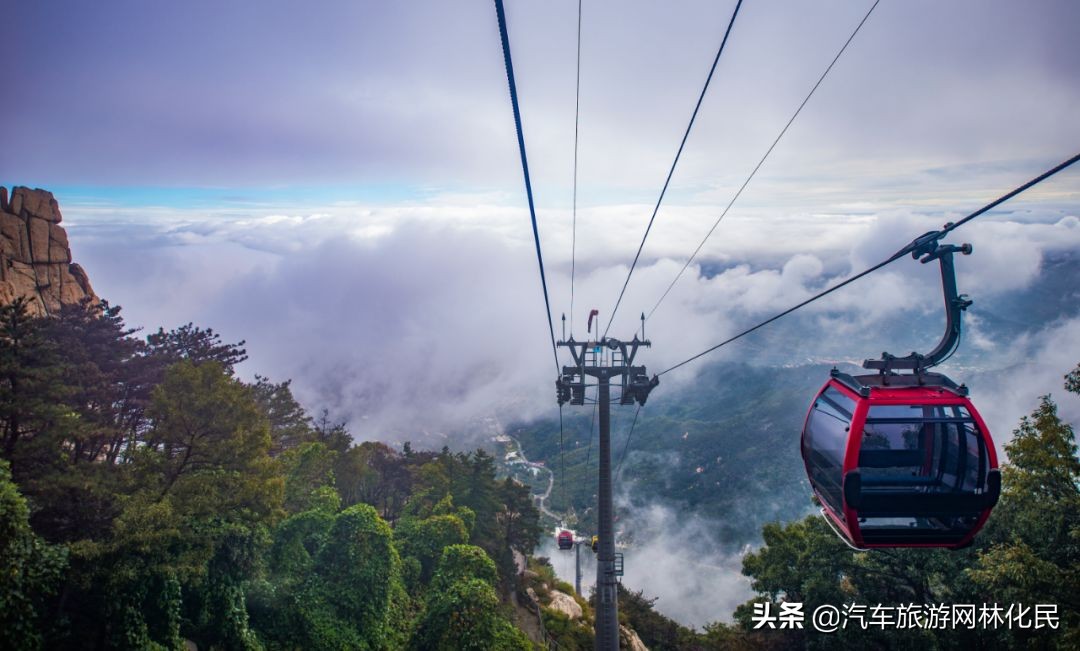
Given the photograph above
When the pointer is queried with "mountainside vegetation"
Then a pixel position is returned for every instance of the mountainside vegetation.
(1028, 554)
(150, 497)
(720, 450)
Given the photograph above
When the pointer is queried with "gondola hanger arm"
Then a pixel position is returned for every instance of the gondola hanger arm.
(927, 248)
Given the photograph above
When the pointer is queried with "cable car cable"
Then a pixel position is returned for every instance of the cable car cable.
(577, 113)
(505, 37)
(1035, 181)
(573, 240)
(896, 256)
(675, 162)
(762, 161)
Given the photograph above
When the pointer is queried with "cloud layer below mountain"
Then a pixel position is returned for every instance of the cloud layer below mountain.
(426, 316)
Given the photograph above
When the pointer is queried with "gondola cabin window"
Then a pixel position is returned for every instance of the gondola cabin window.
(826, 443)
(921, 449)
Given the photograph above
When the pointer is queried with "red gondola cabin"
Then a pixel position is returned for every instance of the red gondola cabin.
(900, 460)
(565, 539)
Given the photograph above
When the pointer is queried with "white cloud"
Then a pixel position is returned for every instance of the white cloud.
(1043, 358)
(374, 310)
(673, 558)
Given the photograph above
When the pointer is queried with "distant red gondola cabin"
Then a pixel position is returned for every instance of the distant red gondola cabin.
(565, 539)
(900, 461)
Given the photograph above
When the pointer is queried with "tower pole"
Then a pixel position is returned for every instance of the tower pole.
(577, 566)
(590, 361)
(607, 608)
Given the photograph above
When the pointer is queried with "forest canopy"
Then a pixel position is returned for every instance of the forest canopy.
(148, 497)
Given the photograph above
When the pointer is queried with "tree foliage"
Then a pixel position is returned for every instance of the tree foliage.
(196, 345)
(149, 496)
(460, 562)
(208, 448)
(1034, 550)
(464, 616)
(290, 426)
(31, 570)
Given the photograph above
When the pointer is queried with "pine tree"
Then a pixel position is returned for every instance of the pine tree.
(1036, 555)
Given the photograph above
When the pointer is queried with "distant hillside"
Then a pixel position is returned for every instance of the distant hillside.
(726, 448)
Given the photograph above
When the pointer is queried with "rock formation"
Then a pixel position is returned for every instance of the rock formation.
(629, 639)
(35, 259)
(565, 604)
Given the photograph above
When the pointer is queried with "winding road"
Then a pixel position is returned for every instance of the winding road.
(541, 499)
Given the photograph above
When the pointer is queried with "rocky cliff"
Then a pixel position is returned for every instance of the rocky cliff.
(35, 259)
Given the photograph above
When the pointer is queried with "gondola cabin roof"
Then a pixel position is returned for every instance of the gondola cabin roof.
(928, 386)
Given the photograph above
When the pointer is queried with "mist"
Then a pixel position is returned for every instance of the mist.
(673, 558)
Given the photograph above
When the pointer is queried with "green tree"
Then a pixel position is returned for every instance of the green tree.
(374, 474)
(196, 345)
(517, 527)
(109, 375)
(460, 562)
(290, 426)
(473, 485)
(31, 570)
(73, 393)
(125, 589)
(466, 615)
(297, 540)
(1035, 558)
(205, 492)
(518, 518)
(1072, 380)
(361, 576)
(216, 606)
(309, 476)
(425, 539)
(335, 583)
(280, 602)
(31, 387)
(208, 449)
(332, 434)
(74, 469)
